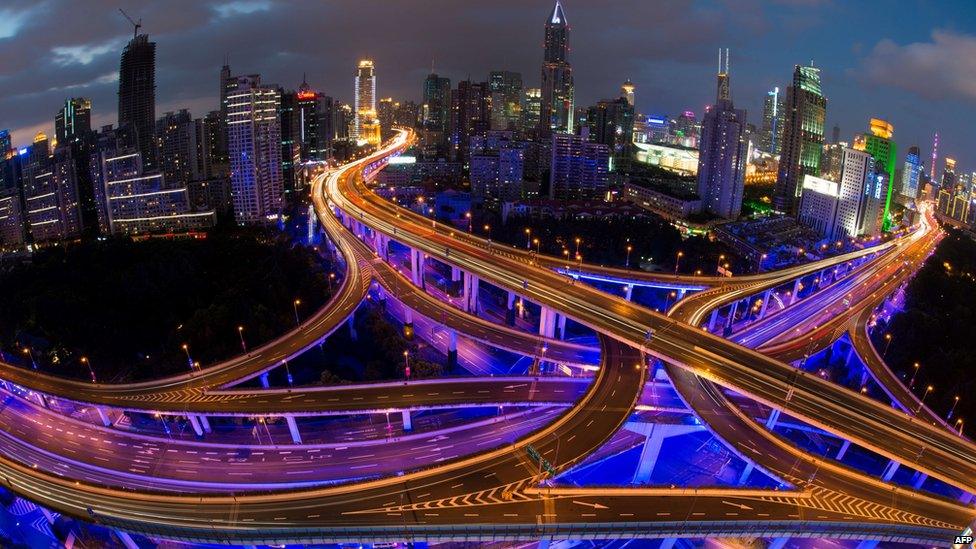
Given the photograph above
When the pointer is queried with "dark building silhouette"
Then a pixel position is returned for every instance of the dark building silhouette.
(137, 94)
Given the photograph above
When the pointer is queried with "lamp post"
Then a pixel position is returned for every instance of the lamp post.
(629, 249)
(468, 215)
(30, 355)
(578, 240)
(295, 305)
(189, 359)
(406, 364)
(331, 282)
(718, 264)
(240, 333)
(953, 409)
(537, 245)
(677, 262)
(887, 344)
(921, 402)
(488, 230)
(959, 424)
(528, 234)
(91, 372)
(912, 382)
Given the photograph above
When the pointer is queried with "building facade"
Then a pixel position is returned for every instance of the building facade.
(137, 94)
(254, 145)
(803, 137)
(556, 108)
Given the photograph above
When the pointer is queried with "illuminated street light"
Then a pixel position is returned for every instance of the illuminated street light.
(953, 409)
(295, 305)
(30, 355)
(629, 249)
(922, 401)
(240, 332)
(959, 424)
(86, 362)
(528, 234)
(406, 364)
(912, 382)
(189, 359)
(468, 215)
(677, 262)
(887, 344)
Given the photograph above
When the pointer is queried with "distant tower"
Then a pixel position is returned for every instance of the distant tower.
(803, 137)
(365, 123)
(557, 76)
(935, 156)
(627, 91)
(722, 151)
(73, 120)
(137, 94)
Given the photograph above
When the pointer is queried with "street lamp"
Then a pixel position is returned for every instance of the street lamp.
(528, 233)
(240, 332)
(488, 230)
(667, 302)
(922, 401)
(189, 359)
(677, 262)
(953, 409)
(295, 305)
(85, 361)
(912, 382)
(406, 364)
(629, 249)
(959, 424)
(468, 215)
(887, 343)
(719, 262)
(537, 245)
(578, 240)
(30, 355)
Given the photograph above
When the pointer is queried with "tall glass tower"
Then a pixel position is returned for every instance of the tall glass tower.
(803, 137)
(137, 95)
(557, 76)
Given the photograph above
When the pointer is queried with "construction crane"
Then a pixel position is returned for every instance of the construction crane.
(135, 31)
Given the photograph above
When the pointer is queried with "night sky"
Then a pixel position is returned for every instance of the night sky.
(910, 61)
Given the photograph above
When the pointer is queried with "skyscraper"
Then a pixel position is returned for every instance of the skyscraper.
(365, 124)
(137, 94)
(254, 146)
(911, 173)
(860, 196)
(803, 137)
(879, 145)
(627, 91)
(722, 151)
(770, 137)
(557, 76)
(579, 169)
(73, 120)
(505, 88)
(470, 113)
(531, 110)
(949, 175)
(611, 122)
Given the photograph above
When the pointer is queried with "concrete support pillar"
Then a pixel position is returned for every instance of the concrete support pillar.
(777, 543)
(452, 353)
(668, 543)
(966, 498)
(823, 278)
(561, 326)
(408, 323)
(407, 421)
(842, 450)
(510, 309)
(206, 424)
(772, 419)
(417, 267)
(681, 294)
(353, 335)
(628, 291)
(868, 544)
(126, 540)
(103, 415)
(796, 290)
(455, 273)
(296, 437)
(473, 295)
(656, 434)
(48, 515)
(712, 320)
(264, 380)
(547, 322)
(847, 359)
(767, 295)
(890, 470)
(197, 428)
(744, 476)
(918, 480)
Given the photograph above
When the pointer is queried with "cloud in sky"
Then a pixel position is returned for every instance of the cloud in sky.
(944, 66)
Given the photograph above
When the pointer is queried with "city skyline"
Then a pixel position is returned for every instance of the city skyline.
(858, 62)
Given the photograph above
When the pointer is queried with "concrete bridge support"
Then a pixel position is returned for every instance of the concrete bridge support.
(103, 415)
(547, 322)
(767, 295)
(842, 451)
(417, 267)
(628, 292)
(407, 420)
(452, 353)
(205, 423)
(796, 290)
(510, 309)
(264, 380)
(656, 434)
(195, 423)
(712, 320)
(469, 294)
(890, 470)
(561, 326)
(296, 437)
